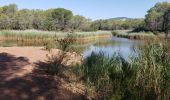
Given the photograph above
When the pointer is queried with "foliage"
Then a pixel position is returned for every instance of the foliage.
(61, 18)
(157, 19)
(134, 35)
(115, 24)
(145, 76)
(54, 65)
(55, 62)
(80, 23)
(65, 42)
(47, 34)
(166, 22)
(58, 19)
(153, 66)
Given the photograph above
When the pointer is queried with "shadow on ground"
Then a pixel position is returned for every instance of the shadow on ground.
(37, 85)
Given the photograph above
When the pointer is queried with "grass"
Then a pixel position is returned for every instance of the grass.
(30, 37)
(145, 76)
(132, 35)
(142, 76)
(47, 34)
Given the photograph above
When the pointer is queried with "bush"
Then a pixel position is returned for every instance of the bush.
(114, 33)
(54, 65)
(64, 44)
(55, 62)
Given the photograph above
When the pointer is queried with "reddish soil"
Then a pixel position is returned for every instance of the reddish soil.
(23, 76)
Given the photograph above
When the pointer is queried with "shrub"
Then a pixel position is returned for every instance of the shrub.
(55, 62)
(65, 43)
(114, 33)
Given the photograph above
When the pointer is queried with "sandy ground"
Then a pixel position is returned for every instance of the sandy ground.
(34, 54)
(23, 78)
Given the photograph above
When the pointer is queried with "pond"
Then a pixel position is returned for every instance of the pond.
(109, 46)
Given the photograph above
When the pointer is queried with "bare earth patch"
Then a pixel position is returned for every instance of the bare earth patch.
(23, 78)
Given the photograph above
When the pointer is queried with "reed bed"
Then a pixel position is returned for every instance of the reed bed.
(145, 76)
(30, 37)
(49, 34)
(134, 36)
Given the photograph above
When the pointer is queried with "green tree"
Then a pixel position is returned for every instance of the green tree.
(154, 18)
(166, 22)
(23, 19)
(48, 23)
(4, 21)
(77, 22)
(80, 23)
(151, 20)
(38, 19)
(61, 18)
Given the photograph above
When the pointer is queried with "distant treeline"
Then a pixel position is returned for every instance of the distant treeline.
(157, 19)
(58, 19)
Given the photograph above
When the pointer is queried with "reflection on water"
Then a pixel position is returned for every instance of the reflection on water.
(109, 46)
(7, 43)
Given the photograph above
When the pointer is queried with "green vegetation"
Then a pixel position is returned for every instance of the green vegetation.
(58, 19)
(46, 34)
(55, 62)
(117, 24)
(41, 38)
(157, 19)
(134, 35)
(144, 76)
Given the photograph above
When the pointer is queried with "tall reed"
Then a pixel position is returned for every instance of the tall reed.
(145, 76)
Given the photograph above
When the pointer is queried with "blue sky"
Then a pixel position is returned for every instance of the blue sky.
(93, 9)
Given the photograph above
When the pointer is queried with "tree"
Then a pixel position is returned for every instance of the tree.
(6, 16)
(151, 20)
(23, 19)
(166, 22)
(80, 23)
(10, 10)
(61, 18)
(4, 21)
(154, 18)
(77, 22)
(48, 23)
(38, 19)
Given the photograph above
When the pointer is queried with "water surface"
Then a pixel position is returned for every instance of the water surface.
(109, 46)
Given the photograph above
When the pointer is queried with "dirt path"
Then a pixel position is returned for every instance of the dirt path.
(23, 78)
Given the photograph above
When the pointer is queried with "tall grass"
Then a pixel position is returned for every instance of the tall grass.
(47, 34)
(145, 76)
(134, 36)
(30, 37)
(153, 68)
